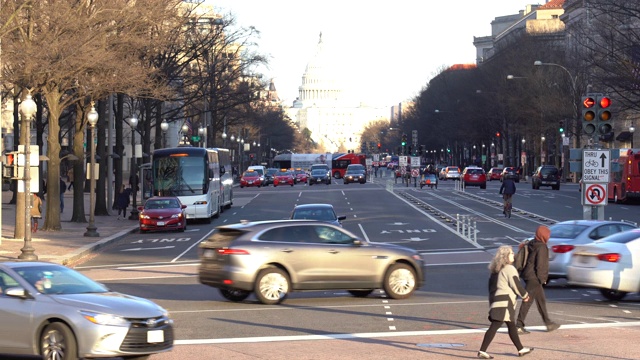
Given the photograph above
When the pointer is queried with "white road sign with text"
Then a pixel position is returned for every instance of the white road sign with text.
(595, 166)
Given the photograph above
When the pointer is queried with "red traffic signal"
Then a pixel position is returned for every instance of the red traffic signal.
(497, 133)
(603, 108)
(379, 146)
(604, 102)
(588, 102)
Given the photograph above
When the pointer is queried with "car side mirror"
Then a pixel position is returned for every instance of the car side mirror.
(183, 206)
(357, 242)
(18, 292)
(140, 208)
(342, 217)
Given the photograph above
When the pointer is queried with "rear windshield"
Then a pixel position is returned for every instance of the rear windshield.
(548, 171)
(622, 238)
(567, 231)
(475, 171)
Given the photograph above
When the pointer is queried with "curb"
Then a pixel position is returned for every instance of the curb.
(89, 249)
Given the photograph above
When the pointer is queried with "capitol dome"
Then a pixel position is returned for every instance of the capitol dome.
(319, 84)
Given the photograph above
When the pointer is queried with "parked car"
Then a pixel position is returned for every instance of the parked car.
(50, 311)
(251, 178)
(163, 213)
(451, 173)
(319, 176)
(510, 172)
(495, 174)
(611, 265)
(546, 175)
(566, 235)
(283, 177)
(321, 212)
(351, 176)
(275, 258)
(474, 176)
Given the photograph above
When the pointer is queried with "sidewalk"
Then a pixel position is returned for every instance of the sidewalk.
(67, 245)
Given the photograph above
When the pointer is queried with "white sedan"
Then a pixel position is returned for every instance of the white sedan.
(611, 265)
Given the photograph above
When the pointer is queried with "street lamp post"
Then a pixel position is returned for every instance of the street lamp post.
(632, 129)
(92, 117)
(164, 126)
(542, 154)
(27, 109)
(202, 134)
(133, 122)
(185, 137)
(523, 164)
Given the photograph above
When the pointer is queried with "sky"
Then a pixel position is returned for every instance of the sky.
(385, 51)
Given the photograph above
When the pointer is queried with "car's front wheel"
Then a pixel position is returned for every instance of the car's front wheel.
(613, 295)
(58, 342)
(272, 286)
(234, 294)
(400, 281)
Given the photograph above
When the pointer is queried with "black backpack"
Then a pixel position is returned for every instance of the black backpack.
(520, 259)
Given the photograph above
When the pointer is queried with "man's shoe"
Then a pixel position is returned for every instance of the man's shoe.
(524, 351)
(523, 331)
(552, 326)
(484, 355)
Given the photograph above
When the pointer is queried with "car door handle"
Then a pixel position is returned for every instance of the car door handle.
(287, 250)
(333, 251)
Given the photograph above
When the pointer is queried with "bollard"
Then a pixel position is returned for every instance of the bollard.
(464, 225)
(475, 233)
(458, 223)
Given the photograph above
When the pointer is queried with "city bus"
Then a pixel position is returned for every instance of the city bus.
(624, 182)
(193, 175)
(226, 178)
(338, 162)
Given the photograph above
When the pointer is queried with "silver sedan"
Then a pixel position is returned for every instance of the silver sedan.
(566, 235)
(57, 313)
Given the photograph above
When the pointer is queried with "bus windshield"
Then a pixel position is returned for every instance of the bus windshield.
(180, 176)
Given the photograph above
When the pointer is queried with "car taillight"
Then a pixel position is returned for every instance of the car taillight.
(232, 252)
(609, 257)
(561, 249)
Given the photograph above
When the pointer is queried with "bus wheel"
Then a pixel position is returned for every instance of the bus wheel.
(336, 175)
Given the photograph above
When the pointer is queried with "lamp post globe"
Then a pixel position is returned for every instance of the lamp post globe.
(632, 129)
(27, 109)
(92, 117)
(164, 126)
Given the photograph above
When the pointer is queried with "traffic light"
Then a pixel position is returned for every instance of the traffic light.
(588, 115)
(404, 140)
(561, 129)
(603, 113)
(379, 146)
(498, 134)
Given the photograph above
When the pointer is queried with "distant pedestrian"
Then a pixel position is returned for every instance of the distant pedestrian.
(122, 202)
(63, 189)
(535, 274)
(36, 211)
(70, 178)
(504, 288)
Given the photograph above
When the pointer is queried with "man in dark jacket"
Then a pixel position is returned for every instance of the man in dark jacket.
(507, 189)
(535, 274)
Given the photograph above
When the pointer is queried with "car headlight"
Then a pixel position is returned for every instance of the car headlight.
(143, 216)
(176, 216)
(104, 319)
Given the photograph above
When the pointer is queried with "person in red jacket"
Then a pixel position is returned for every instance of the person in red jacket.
(535, 274)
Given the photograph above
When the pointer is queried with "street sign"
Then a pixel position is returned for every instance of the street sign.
(402, 161)
(595, 194)
(595, 166)
(415, 161)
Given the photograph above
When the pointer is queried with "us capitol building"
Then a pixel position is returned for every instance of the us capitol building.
(334, 122)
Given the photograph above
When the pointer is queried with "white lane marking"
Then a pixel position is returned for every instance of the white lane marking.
(150, 248)
(373, 335)
(191, 247)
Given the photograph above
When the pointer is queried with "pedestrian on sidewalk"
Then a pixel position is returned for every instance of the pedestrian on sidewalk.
(63, 189)
(70, 178)
(122, 201)
(36, 211)
(535, 274)
(504, 288)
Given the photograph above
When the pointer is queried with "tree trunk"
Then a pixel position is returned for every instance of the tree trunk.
(101, 203)
(117, 163)
(52, 219)
(79, 176)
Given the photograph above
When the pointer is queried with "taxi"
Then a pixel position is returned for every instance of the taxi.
(250, 178)
(283, 177)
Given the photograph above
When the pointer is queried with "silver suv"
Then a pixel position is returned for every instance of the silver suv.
(274, 258)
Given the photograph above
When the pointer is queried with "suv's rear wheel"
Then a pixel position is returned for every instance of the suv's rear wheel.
(272, 286)
(234, 294)
(613, 295)
(400, 281)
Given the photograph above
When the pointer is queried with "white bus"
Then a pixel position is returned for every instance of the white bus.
(226, 178)
(193, 175)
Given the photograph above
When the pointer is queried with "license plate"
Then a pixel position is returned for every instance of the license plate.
(583, 259)
(250, 182)
(209, 254)
(160, 223)
(155, 336)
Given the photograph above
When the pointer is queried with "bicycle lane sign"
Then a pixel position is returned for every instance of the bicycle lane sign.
(596, 166)
(595, 195)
